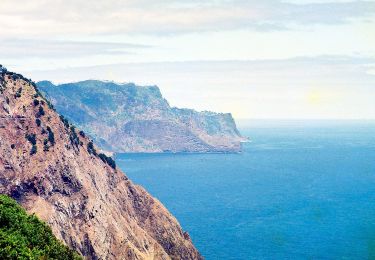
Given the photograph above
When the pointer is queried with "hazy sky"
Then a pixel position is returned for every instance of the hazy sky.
(256, 59)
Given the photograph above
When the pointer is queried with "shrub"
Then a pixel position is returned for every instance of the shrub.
(24, 236)
(18, 93)
(40, 112)
(36, 102)
(107, 160)
(51, 136)
(81, 133)
(65, 121)
(45, 145)
(38, 122)
(74, 139)
(91, 148)
(103, 157)
(50, 105)
(111, 162)
(31, 138)
(33, 150)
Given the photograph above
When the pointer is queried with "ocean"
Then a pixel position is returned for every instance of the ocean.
(299, 190)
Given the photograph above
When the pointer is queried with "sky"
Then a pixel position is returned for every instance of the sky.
(284, 59)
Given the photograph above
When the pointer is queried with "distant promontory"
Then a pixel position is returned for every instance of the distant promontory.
(130, 118)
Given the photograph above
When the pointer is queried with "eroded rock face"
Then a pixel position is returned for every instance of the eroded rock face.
(130, 118)
(94, 208)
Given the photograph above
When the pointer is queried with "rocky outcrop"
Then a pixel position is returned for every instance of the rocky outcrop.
(56, 172)
(130, 118)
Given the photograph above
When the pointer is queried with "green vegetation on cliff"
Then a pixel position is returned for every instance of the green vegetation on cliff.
(24, 236)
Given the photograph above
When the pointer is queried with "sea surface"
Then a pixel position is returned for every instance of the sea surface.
(299, 190)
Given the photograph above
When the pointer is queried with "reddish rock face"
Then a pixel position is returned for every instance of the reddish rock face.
(93, 207)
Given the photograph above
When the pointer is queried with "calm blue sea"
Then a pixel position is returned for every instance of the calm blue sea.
(300, 190)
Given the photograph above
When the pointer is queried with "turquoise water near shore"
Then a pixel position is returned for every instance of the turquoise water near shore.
(299, 190)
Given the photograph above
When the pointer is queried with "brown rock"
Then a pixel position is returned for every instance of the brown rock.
(92, 207)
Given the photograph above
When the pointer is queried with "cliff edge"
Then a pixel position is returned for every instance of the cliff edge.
(53, 170)
(131, 118)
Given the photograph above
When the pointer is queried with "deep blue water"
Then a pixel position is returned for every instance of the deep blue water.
(298, 191)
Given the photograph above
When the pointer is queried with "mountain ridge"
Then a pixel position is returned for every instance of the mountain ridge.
(55, 171)
(130, 118)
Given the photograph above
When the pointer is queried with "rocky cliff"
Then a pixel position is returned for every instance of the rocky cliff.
(55, 171)
(130, 118)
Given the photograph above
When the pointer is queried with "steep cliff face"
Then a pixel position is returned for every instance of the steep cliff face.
(129, 118)
(54, 171)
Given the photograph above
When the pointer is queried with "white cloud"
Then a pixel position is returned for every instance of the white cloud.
(50, 49)
(69, 39)
(107, 31)
(74, 17)
(103, 31)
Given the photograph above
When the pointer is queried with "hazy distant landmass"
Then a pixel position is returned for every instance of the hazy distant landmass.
(131, 118)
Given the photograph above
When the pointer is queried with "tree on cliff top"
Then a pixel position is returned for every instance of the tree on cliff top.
(24, 236)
